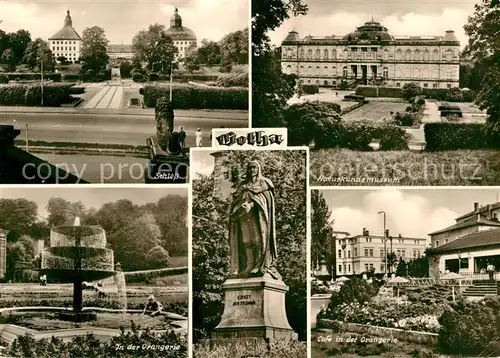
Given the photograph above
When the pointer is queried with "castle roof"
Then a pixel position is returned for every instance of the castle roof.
(67, 32)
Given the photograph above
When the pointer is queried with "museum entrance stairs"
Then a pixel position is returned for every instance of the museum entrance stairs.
(481, 288)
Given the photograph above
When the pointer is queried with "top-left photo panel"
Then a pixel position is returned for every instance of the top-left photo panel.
(117, 91)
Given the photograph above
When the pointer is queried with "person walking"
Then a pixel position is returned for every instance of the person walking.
(199, 138)
(182, 137)
(491, 270)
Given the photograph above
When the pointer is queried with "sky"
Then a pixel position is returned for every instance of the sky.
(202, 162)
(122, 19)
(401, 17)
(91, 197)
(410, 212)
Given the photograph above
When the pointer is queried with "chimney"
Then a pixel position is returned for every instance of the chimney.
(364, 231)
(488, 209)
(476, 206)
(399, 235)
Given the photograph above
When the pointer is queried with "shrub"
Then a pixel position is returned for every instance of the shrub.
(394, 138)
(343, 85)
(71, 77)
(421, 101)
(409, 109)
(309, 89)
(411, 90)
(54, 94)
(152, 76)
(138, 77)
(392, 92)
(454, 95)
(467, 329)
(367, 91)
(405, 119)
(4, 79)
(450, 136)
(188, 77)
(76, 90)
(193, 97)
(141, 91)
(233, 80)
(311, 120)
(356, 290)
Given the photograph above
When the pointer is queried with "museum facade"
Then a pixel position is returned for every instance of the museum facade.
(371, 56)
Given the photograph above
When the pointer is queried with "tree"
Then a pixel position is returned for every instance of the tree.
(234, 47)
(94, 48)
(321, 229)
(155, 47)
(19, 42)
(158, 257)
(63, 212)
(401, 269)
(483, 49)
(271, 89)
(411, 89)
(209, 53)
(125, 69)
(37, 51)
(392, 259)
(18, 216)
(191, 59)
(22, 250)
(9, 59)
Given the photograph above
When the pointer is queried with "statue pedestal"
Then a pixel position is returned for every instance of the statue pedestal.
(254, 308)
(165, 168)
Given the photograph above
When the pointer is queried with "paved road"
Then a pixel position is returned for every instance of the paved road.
(108, 128)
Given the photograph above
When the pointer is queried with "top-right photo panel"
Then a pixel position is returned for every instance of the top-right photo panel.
(383, 92)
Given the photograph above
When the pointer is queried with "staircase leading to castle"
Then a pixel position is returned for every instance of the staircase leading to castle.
(481, 289)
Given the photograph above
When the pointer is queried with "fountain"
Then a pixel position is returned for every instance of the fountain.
(77, 253)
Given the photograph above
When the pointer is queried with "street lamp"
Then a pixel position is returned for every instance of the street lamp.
(385, 239)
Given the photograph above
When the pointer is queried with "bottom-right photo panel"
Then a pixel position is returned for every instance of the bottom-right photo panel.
(405, 272)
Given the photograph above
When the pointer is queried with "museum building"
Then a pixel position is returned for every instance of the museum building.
(372, 56)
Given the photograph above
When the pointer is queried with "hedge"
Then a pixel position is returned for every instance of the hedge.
(451, 136)
(310, 89)
(184, 78)
(3, 78)
(233, 80)
(370, 91)
(138, 77)
(76, 90)
(72, 77)
(28, 76)
(191, 97)
(54, 94)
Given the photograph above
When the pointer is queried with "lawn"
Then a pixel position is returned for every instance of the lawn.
(375, 110)
(334, 167)
(45, 321)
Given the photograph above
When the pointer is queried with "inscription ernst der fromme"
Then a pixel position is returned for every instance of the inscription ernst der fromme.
(244, 300)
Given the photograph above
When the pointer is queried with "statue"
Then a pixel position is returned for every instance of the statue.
(168, 140)
(252, 234)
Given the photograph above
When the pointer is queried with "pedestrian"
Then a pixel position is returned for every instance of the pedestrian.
(336, 94)
(199, 138)
(491, 270)
(182, 137)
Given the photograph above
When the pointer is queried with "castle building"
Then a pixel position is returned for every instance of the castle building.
(182, 36)
(372, 56)
(120, 52)
(364, 253)
(66, 42)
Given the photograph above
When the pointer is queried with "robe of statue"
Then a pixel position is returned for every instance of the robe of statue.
(252, 233)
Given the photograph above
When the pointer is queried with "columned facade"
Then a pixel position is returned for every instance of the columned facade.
(370, 55)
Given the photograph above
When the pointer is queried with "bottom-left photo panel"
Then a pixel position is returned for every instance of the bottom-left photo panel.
(93, 272)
